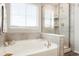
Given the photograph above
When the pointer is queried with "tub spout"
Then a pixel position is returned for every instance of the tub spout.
(48, 44)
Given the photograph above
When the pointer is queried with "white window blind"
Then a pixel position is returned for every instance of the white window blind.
(31, 15)
(23, 15)
(17, 15)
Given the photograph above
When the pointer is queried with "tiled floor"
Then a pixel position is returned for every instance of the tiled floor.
(71, 54)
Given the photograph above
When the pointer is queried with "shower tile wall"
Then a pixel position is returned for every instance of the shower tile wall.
(64, 22)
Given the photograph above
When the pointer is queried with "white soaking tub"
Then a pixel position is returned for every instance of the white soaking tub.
(47, 45)
(31, 47)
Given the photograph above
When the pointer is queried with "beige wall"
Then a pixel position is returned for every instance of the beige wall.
(76, 28)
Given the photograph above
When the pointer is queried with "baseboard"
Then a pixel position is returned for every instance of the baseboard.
(76, 51)
(67, 50)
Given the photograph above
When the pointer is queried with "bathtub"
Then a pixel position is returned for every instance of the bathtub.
(35, 47)
(31, 47)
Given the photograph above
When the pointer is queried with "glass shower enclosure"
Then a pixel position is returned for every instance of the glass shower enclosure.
(55, 18)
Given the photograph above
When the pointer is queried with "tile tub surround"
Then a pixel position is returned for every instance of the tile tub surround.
(22, 36)
(58, 39)
(10, 38)
(2, 38)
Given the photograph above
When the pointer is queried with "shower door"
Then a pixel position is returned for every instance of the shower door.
(60, 17)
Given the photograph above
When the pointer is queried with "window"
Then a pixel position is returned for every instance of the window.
(24, 15)
(48, 16)
(17, 13)
(31, 15)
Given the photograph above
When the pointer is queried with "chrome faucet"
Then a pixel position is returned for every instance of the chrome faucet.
(48, 44)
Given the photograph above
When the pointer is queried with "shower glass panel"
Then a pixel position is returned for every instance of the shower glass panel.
(56, 20)
(50, 18)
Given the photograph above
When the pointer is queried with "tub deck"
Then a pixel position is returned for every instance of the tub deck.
(29, 47)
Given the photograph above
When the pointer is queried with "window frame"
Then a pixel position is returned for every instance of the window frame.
(38, 28)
